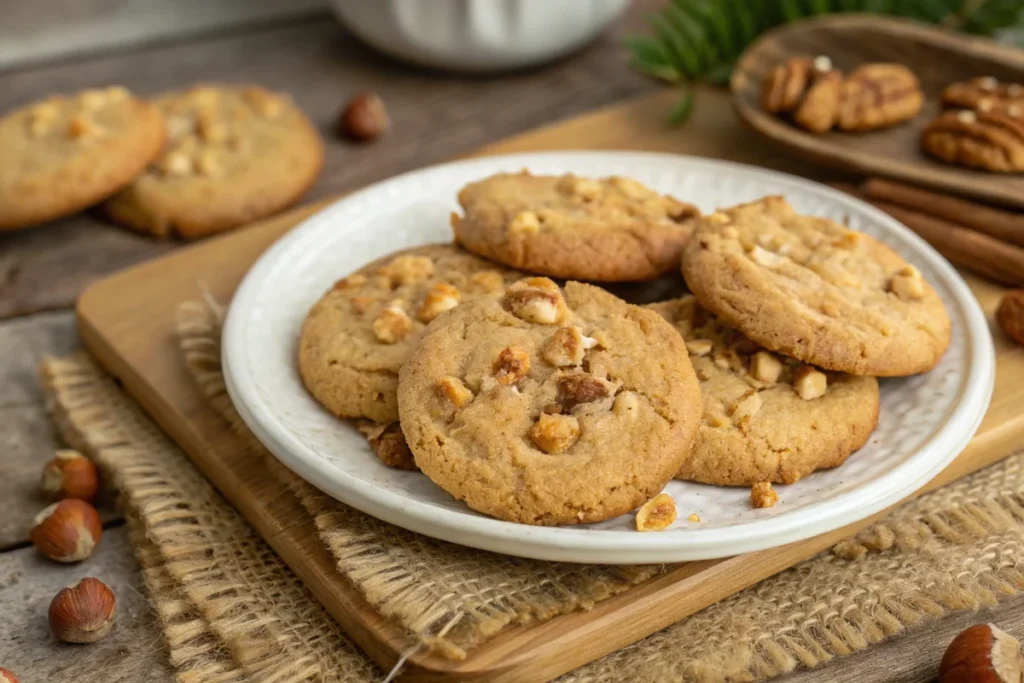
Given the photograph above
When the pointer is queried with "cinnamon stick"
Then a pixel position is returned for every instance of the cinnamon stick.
(987, 255)
(1003, 225)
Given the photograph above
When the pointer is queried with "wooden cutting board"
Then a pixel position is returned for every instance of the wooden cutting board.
(127, 320)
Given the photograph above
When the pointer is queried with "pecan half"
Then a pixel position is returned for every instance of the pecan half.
(806, 88)
(991, 141)
(973, 93)
(877, 96)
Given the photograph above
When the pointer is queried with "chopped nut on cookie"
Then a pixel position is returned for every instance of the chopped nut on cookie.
(744, 410)
(453, 389)
(575, 388)
(408, 270)
(536, 300)
(489, 280)
(809, 383)
(555, 433)
(575, 186)
(907, 284)
(525, 222)
(762, 495)
(392, 324)
(765, 367)
(567, 346)
(511, 365)
(656, 514)
(440, 298)
(699, 347)
(626, 404)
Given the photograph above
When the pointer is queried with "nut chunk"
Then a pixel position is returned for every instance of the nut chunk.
(453, 389)
(408, 270)
(440, 298)
(762, 495)
(580, 387)
(566, 347)
(536, 300)
(765, 367)
(555, 433)
(388, 443)
(656, 514)
(392, 324)
(809, 383)
(511, 365)
(877, 96)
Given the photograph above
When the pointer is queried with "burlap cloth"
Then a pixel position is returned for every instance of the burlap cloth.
(231, 610)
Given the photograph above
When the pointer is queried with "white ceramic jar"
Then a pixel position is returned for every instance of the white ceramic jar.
(477, 35)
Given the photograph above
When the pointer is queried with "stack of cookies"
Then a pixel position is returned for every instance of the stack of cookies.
(545, 402)
(193, 162)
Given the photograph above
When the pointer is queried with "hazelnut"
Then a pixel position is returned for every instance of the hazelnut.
(7, 676)
(70, 475)
(392, 324)
(83, 612)
(511, 365)
(67, 531)
(555, 433)
(762, 495)
(982, 654)
(364, 118)
(656, 514)
(1010, 315)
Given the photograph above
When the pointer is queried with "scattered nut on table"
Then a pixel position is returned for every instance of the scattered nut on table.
(364, 118)
(1010, 315)
(70, 475)
(982, 654)
(83, 612)
(67, 531)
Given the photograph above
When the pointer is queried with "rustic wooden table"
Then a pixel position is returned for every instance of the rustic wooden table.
(435, 117)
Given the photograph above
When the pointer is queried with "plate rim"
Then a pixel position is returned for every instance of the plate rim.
(584, 545)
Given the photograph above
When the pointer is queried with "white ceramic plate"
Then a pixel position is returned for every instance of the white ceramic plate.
(925, 420)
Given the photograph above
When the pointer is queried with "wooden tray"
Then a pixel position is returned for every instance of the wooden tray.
(127, 320)
(936, 56)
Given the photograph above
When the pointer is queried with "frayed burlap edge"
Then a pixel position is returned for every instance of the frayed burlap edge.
(229, 607)
(449, 598)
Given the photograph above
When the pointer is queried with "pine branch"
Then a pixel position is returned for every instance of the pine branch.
(700, 40)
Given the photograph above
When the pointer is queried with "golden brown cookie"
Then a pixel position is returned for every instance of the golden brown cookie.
(357, 336)
(989, 141)
(807, 89)
(877, 96)
(610, 230)
(234, 154)
(983, 93)
(813, 290)
(544, 408)
(64, 154)
(767, 418)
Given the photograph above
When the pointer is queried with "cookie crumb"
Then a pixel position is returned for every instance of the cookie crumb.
(656, 514)
(762, 495)
(694, 517)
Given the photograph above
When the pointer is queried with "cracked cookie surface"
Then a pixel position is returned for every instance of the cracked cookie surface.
(766, 417)
(549, 408)
(64, 154)
(811, 289)
(610, 230)
(356, 337)
(234, 154)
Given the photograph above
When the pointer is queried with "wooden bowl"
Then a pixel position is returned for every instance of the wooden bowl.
(938, 58)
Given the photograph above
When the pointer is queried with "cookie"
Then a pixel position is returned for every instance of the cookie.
(877, 96)
(234, 154)
(358, 335)
(813, 290)
(982, 93)
(549, 408)
(609, 230)
(989, 141)
(767, 418)
(805, 88)
(64, 154)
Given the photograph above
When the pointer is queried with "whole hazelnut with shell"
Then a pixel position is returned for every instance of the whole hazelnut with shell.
(364, 118)
(982, 654)
(83, 612)
(7, 676)
(70, 475)
(67, 531)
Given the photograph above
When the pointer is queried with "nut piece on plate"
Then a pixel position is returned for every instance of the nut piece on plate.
(989, 141)
(70, 475)
(67, 531)
(7, 676)
(806, 88)
(762, 495)
(982, 654)
(1010, 315)
(973, 94)
(388, 443)
(656, 514)
(364, 118)
(83, 612)
(878, 96)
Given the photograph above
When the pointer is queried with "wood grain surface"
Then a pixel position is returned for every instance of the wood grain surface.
(434, 116)
(936, 56)
(127, 321)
